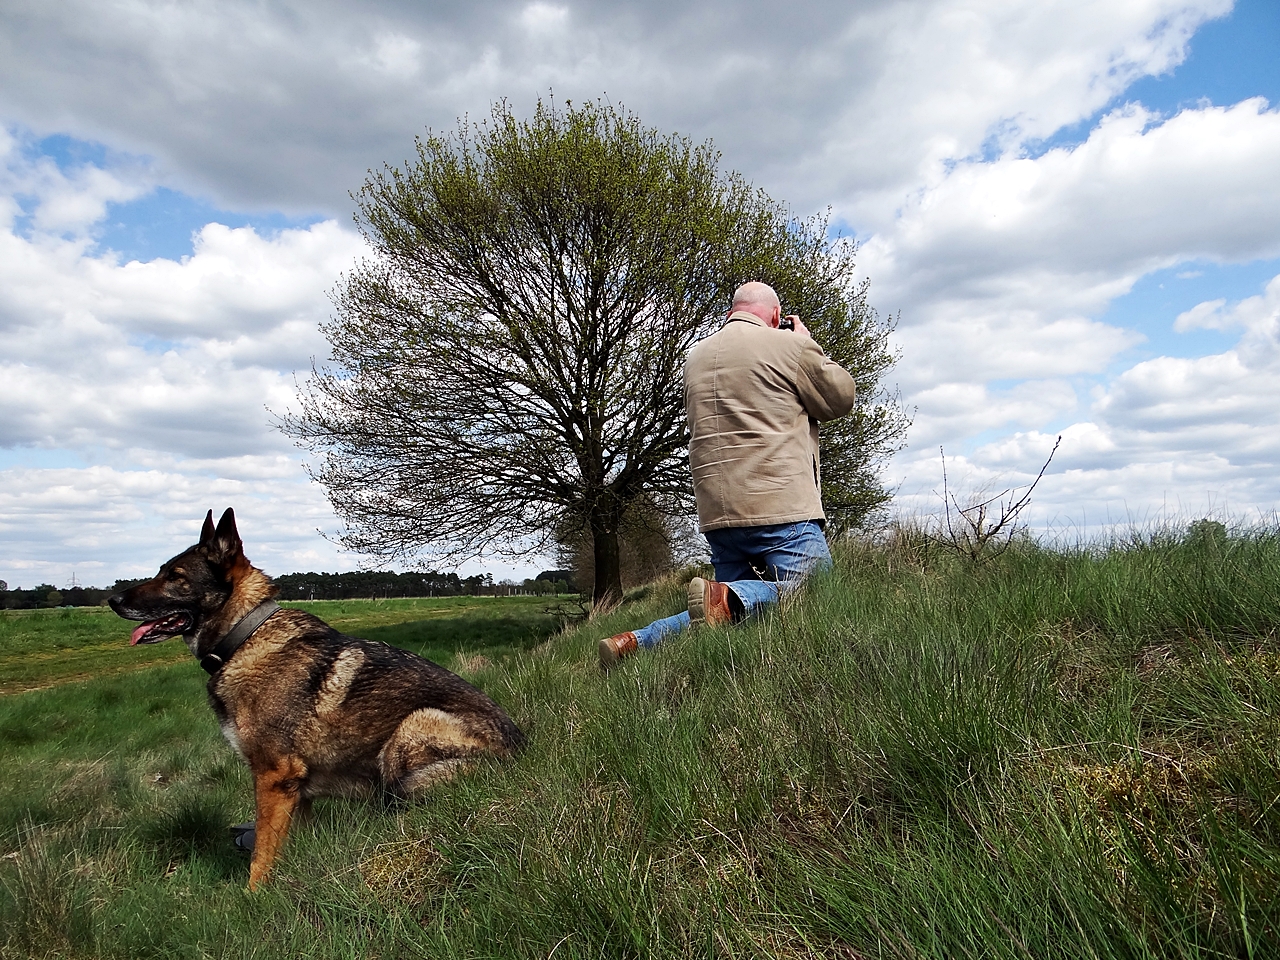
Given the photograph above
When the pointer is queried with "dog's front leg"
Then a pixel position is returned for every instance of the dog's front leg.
(277, 791)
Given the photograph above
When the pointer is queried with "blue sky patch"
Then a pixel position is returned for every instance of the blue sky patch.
(40, 458)
(1231, 59)
(1156, 299)
(159, 224)
(163, 222)
(69, 153)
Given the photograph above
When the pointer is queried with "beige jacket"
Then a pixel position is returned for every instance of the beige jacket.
(754, 396)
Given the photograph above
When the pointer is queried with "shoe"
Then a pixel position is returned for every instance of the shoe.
(709, 603)
(613, 649)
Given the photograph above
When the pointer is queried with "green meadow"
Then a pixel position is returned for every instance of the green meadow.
(1060, 753)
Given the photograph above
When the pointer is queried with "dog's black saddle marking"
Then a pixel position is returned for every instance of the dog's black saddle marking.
(217, 658)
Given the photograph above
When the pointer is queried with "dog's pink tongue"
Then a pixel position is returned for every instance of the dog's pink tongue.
(140, 632)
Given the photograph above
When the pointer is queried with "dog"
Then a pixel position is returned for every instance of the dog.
(312, 711)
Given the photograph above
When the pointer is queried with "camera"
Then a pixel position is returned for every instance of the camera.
(786, 324)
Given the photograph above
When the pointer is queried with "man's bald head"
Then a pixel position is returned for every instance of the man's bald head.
(755, 293)
(759, 300)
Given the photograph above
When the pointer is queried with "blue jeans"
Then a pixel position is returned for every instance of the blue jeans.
(759, 565)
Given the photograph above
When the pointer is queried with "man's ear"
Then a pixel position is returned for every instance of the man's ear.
(224, 546)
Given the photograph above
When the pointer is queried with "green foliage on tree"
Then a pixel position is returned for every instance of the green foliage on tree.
(508, 362)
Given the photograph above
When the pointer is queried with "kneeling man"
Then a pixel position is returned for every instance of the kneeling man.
(755, 392)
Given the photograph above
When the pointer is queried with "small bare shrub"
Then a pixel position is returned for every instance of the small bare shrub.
(983, 528)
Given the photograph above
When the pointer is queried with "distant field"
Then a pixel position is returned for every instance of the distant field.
(40, 648)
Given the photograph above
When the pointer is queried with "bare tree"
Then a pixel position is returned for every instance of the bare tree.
(509, 360)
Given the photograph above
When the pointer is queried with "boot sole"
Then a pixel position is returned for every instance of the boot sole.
(608, 656)
(697, 602)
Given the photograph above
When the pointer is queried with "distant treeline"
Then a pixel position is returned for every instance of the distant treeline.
(349, 586)
(47, 595)
(319, 586)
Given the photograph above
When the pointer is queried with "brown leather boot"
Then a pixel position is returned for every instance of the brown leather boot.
(613, 649)
(709, 603)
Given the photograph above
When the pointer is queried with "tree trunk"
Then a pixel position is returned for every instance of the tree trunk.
(608, 587)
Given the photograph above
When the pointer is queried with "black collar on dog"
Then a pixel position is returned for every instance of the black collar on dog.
(217, 658)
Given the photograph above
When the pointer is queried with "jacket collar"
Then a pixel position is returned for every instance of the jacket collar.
(749, 317)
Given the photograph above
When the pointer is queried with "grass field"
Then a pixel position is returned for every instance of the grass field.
(1060, 754)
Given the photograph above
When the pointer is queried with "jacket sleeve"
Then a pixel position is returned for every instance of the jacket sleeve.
(826, 389)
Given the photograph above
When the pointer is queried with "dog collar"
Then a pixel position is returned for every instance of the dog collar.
(217, 658)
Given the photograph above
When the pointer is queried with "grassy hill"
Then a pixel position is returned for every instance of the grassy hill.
(1058, 754)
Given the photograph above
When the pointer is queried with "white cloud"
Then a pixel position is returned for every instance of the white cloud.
(397, 55)
(166, 355)
(1205, 316)
(1257, 315)
(180, 357)
(1224, 402)
(1139, 194)
(952, 410)
(983, 342)
(104, 523)
(235, 282)
(963, 74)
(274, 104)
(59, 206)
(542, 18)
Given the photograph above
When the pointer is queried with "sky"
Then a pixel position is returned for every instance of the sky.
(1071, 209)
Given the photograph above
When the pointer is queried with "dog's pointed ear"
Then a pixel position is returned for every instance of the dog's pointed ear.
(206, 532)
(225, 546)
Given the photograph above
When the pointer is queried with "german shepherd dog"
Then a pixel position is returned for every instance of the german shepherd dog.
(312, 711)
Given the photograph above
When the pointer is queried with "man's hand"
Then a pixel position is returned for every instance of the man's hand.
(796, 324)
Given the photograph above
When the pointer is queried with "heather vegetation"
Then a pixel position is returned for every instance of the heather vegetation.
(1056, 753)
